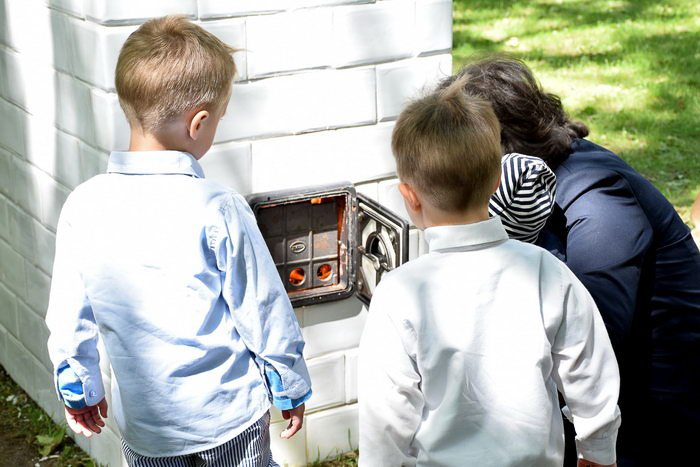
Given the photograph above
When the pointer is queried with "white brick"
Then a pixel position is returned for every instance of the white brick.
(351, 357)
(41, 141)
(333, 326)
(232, 32)
(27, 28)
(24, 189)
(92, 161)
(327, 380)
(19, 363)
(8, 307)
(33, 333)
(67, 157)
(96, 50)
(390, 197)
(74, 7)
(12, 273)
(22, 237)
(111, 126)
(299, 103)
(137, 11)
(352, 98)
(356, 154)
(288, 452)
(13, 128)
(229, 164)
(332, 432)
(74, 107)
(434, 26)
(38, 285)
(227, 8)
(291, 41)
(6, 168)
(27, 82)
(368, 189)
(318, 3)
(63, 42)
(52, 195)
(399, 82)
(45, 247)
(373, 33)
(106, 447)
(4, 220)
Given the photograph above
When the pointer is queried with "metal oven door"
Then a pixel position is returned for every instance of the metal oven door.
(382, 245)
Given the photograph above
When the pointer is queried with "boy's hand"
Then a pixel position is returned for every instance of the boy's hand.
(87, 420)
(585, 463)
(296, 418)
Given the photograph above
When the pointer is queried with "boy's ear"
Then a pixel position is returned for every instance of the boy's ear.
(410, 196)
(196, 123)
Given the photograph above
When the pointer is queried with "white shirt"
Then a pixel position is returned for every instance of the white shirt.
(170, 270)
(464, 350)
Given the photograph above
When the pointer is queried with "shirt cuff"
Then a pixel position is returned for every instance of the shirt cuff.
(279, 400)
(85, 382)
(70, 388)
(599, 450)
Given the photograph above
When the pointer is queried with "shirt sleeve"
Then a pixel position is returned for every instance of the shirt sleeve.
(69, 318)
(608, 238)
(260, 308)
(584, 365)
(390, 400)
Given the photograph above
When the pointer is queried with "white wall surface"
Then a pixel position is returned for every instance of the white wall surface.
(320, 83)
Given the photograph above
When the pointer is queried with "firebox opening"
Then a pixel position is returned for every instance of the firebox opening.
(297, 277)
(324, 272)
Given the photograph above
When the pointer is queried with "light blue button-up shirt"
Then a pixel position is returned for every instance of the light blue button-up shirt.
(170, 270)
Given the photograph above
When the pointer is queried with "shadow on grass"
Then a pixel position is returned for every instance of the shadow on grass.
(662, 60)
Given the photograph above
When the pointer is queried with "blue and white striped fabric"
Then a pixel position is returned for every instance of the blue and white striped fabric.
(251, 448)
(525, 196)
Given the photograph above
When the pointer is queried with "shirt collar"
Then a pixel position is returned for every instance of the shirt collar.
(467, 236)
(154, 162)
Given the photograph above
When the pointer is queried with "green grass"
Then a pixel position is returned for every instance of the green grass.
(630, 70)
(30, 425)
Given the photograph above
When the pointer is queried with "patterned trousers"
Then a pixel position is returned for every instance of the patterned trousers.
(249, 449)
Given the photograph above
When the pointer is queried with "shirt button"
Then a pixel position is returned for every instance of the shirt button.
(93, 393)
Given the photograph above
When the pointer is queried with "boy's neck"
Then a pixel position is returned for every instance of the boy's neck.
(144, 141)
(434, 217)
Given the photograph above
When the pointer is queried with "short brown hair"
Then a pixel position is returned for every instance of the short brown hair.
(533, 121)
(169, 66)
(446, 145)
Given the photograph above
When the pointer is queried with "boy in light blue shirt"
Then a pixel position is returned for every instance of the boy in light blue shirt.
(171, 272)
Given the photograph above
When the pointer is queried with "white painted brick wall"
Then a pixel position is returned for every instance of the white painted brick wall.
(399, 82)
(302, 39)
(328, 381)
(331, 432)
(373, 33)
(319, 84)
(137, 11)
(355, 154)
(434, 26)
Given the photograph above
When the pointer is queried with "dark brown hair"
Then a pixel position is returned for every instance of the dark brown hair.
(168, 66)
(533, 121)
(446, 145)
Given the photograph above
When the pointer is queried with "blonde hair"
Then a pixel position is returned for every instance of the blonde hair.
(169, 66)
(447, 145)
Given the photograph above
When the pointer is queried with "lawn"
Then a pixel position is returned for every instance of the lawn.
(630, 70)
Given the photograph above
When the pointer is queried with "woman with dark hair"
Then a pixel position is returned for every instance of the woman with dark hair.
(629, 247)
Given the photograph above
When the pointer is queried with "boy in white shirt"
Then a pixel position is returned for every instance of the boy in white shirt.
(465, 348)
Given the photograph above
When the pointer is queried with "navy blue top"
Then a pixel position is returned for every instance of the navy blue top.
(629, 247)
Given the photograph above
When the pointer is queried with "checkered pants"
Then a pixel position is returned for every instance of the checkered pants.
(249, 449)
